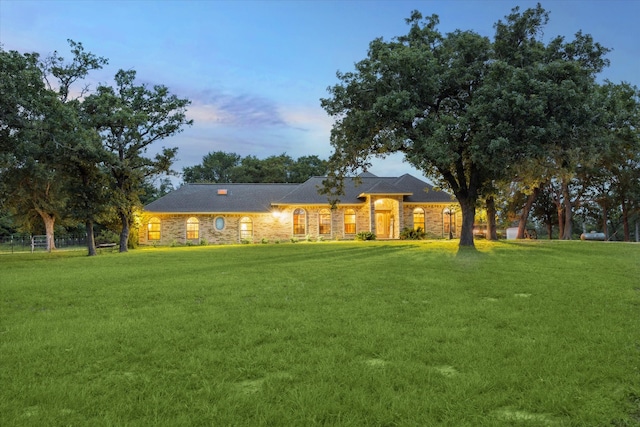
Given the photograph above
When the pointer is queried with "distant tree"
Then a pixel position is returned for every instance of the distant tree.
(216, 166)
(306, 167)
(230, 167)
(129, 119)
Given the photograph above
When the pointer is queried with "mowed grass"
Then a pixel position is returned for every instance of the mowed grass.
(331, 333)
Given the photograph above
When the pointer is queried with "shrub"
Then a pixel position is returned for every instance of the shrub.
(365, 235)
(411, 234)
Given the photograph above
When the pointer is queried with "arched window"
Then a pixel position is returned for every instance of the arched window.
(299, 221)
(324, 221)
(349, 221)
(193, 228)
(153, 229)
(418, 219)
(246, 229)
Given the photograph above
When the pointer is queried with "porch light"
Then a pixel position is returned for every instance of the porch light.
(276, 213)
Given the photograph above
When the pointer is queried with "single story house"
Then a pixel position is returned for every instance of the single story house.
(235, 213)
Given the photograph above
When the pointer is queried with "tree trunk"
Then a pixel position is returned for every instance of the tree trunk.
(625, 222)
(549, 229)
(91, 244)
(124, 234)
(524, 216)
(49, 223)
(568, 212)
(468, 216)
(492, 233)
(605, 219)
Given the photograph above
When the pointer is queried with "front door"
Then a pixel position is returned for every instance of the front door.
(383, 224)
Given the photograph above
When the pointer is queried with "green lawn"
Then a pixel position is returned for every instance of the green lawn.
(337, 334)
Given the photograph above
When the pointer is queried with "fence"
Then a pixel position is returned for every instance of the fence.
(26, 243)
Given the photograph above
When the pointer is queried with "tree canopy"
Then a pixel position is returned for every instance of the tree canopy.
(220, 166)
(465, 109)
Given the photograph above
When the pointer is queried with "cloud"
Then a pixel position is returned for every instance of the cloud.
(241, 110)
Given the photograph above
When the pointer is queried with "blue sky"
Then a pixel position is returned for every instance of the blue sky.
(256, 70)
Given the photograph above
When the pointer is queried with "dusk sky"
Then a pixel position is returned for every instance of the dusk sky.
(255, 70)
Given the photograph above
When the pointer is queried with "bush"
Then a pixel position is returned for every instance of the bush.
(107, 236)
(411, 234)
(365, 235)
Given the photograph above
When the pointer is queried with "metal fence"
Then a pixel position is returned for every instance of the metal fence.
(27, 243)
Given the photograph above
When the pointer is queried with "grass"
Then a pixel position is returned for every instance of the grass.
(353, 334)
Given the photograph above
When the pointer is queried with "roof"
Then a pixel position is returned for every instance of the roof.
(411, 188)
(206, 198)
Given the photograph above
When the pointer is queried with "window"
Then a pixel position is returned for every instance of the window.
(219, 223)
(324, 221)
(193, 228)
(350, 221)
(418, 219)
(299, 221)
(246, 229)
(153, 229)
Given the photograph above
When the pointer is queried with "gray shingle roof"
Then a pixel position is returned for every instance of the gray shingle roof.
(204, 198)
(412, 188)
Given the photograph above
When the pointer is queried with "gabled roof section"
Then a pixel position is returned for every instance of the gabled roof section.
(422, 192)
(212, 198)
(408, 186)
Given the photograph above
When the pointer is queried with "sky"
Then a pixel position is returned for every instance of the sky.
(255, 71)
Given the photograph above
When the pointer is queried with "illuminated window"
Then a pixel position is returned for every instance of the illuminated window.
(324, 222)
(299, 221)
(418, 219)
(246, 229)
(219, 223)
(193, 228)
(350, 221)
(153, 229)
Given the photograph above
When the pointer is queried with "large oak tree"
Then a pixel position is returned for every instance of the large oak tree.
(461, 108)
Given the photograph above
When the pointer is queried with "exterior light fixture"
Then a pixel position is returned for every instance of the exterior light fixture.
(450, 211)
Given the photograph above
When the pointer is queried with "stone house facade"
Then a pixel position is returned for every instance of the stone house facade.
(236, 213)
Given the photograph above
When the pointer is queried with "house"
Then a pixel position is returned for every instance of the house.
(234, 213)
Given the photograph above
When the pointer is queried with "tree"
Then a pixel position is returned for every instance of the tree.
(43, 132)
(29, 154)
(306, 167)
(81, 153)
(230, 167)
(413, 95)
(129, 119)
(216, 166)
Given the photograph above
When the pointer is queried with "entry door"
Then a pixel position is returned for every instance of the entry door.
(383, 224)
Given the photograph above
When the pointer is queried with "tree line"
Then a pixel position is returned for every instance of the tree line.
(224, 167)
(503, 119)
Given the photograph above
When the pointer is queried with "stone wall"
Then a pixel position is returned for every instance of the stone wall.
(279, 227)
